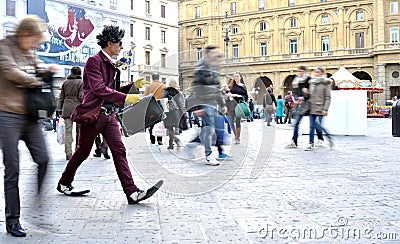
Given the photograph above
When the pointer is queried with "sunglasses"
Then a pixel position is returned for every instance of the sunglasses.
(120, 43)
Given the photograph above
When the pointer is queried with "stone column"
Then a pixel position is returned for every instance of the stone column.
(379, 26)
(276, 38)
(380, 75)
(341, 30)
(307, 30)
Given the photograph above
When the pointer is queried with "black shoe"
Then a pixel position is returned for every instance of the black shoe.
(170, 147)
(141, 195)
(69, 190)
(97, 153)
(105, 153)
(67, 157)
(15, 230)
(160, 143)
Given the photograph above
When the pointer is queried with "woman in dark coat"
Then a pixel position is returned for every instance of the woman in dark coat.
(176, 109)
(239, 93)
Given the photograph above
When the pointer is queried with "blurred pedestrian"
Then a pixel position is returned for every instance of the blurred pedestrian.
(320, 99)
(70, 97)
(251, 106)
(101, 148)
(17, 72)
(156, 89)
(279, 110)
(96, 115)
(289, 105)
(239, 93)
(268, 103)
(206, 86)
(301, 84)
(176, 109)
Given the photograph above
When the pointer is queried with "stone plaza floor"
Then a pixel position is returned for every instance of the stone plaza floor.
(267, 194)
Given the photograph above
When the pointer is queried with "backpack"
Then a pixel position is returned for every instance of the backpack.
(289, 101)
(268, 99)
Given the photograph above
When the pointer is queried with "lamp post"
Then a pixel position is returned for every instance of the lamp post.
(132, 63)
(227, 28)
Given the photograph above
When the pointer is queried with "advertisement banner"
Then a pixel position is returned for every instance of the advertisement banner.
(72, 31)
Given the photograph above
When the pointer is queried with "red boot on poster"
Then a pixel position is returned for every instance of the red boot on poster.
(66, 32)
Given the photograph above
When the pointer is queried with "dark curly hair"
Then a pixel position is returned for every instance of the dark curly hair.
(110, 34)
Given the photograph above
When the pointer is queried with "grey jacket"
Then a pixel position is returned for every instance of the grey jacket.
(206, 85)
(320, 94)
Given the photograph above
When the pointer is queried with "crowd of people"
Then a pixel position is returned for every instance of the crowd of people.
(91, 98)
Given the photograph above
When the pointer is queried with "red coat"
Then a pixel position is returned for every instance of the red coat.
(98, 77)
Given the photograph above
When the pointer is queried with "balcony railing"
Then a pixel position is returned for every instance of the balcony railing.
(323, 53)
(358, 51)
(294, 56)
(395, 45)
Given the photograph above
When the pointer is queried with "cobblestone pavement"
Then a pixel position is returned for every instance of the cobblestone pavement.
(267, 194)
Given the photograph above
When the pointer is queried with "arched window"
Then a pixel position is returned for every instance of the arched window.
(235, 29)
(198, 32)
(293, 23)
(263, 26)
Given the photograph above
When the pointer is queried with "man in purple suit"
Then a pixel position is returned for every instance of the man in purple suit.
(96, 115)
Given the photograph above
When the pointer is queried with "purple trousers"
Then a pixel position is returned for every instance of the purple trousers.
(108, 126)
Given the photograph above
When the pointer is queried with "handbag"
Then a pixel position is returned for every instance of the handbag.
(304, 107)
(41, 102)
(242, 110)
(159, 129)
(135, 118)
(60, 131)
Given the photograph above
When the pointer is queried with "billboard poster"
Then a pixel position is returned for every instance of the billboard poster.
(72, 31)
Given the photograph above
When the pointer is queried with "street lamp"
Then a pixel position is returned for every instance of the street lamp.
(227, 28)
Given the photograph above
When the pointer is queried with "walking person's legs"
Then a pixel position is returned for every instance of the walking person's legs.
(68, 138)
(312, 131)
(238, 127)
(321, 128)
(11, 129)
(77, 135)
(112, 134)
(171, 135)
(206, 134)
(36, 144)
(97, 142)
(296, 130)
(152, 138)
(104, 149)
(87, 136)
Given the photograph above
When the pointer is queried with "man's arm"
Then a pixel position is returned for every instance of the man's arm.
(62, 96)
(98, 86)
(147, 91)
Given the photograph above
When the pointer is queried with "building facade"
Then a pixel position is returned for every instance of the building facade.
(11, 11)
(154, 34)
(270, 39)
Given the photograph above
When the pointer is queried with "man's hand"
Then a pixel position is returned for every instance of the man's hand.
(139, 83)
(324, 113)
(224, 110)
(132, 98)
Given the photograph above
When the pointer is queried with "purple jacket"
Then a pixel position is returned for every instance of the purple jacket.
(98, 77)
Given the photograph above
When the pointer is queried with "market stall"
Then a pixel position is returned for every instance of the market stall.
(346, 81)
